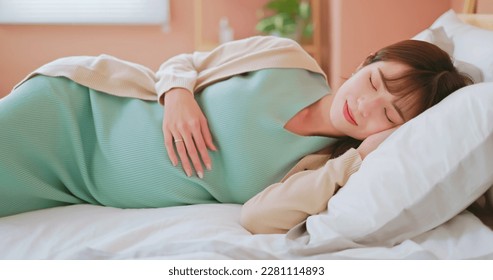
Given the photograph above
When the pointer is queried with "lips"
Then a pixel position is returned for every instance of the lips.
(347, 114)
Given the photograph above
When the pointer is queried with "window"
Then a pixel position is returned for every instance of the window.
(84, 12)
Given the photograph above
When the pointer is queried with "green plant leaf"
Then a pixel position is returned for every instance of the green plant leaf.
(290, 18)
(283, 6)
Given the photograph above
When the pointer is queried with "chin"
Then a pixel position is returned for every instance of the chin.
(357, 136)
(361, 138)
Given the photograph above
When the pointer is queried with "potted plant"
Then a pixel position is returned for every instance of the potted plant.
(287, 18)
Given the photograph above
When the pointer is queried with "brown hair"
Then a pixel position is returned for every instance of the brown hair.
(431, 77)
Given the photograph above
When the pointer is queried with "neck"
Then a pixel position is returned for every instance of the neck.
(318, 118)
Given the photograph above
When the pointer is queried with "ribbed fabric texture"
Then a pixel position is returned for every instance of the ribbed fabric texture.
(68, 144)
(246, 115)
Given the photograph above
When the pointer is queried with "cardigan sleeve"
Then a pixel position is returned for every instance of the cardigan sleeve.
(191, 71)
(196, 70)
(104, 73)
(283, 205)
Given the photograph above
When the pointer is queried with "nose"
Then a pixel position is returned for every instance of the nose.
(367, 104)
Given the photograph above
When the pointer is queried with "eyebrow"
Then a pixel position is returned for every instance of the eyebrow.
(382, 79)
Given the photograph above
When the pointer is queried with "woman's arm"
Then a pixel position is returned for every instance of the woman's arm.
(281, 206)
(183, 119)
(185, 127)
(195, 70)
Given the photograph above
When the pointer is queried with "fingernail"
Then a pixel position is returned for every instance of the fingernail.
(189, 174)
(201, 175)
(208, 166)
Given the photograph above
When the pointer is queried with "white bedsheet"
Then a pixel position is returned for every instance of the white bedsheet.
(209, 232)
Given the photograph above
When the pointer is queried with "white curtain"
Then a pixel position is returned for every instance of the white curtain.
(84, 12)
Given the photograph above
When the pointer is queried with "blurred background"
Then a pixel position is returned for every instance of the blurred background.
(338, 33)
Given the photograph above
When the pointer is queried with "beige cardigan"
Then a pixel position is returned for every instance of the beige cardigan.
(282, 205)
(191, 71)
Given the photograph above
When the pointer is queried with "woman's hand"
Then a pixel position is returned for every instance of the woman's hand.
(185, 128)
(372, 142)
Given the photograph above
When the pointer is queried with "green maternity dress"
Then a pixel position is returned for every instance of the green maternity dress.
(62, 143)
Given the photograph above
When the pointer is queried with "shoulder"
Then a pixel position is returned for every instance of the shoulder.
(268, 42)
(273, 40)
(270, 51)
(94, 72)
(102, 62)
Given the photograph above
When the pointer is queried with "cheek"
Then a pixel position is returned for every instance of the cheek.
(338, 101)
(336, 111)
(375, 127)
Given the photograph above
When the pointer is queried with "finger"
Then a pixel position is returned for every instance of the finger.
(202, 149)
(206, 132)
(182, 153)
(193, 155)
(170, 148)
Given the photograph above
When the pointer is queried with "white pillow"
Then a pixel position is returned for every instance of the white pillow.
(428, 171)
(471, 44)
(437, 36)
(489, 197)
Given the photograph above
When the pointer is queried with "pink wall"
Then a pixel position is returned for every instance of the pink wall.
(351, 28)
(23, 48)
(484, 6)
(361, 27)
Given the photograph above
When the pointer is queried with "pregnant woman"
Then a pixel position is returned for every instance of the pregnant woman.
(215, 127)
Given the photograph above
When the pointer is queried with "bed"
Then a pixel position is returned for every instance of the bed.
(425, 193)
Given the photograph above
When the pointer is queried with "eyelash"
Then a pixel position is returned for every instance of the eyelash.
(385, 109)
(387, 116)
(372, 85)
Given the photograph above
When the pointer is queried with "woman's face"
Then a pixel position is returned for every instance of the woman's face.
(363, 106)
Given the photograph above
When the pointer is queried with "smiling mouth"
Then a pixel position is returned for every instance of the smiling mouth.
(347, 114)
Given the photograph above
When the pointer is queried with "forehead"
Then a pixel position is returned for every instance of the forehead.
(390, 69)
(407, 102)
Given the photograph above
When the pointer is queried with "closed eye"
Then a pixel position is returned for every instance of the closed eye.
(371, 83)
(387, 116)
